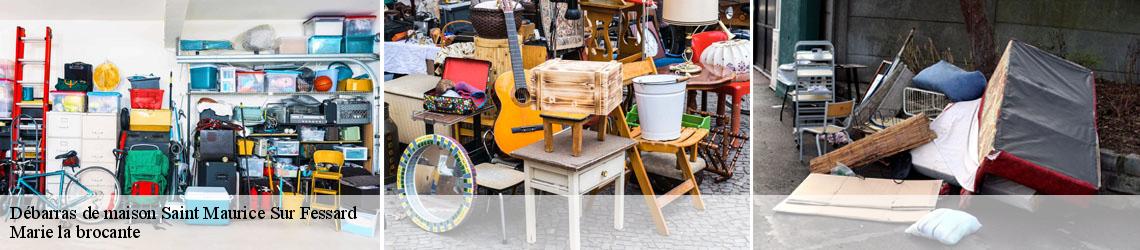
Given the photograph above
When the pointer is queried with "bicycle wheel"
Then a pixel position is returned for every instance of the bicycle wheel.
(103, 187)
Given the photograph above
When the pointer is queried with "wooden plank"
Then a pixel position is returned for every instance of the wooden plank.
(991, 105)
(907, 135)
(675, 193)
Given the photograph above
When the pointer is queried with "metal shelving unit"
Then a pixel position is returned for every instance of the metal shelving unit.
(361, 60)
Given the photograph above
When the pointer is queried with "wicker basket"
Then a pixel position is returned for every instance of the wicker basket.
(491, 22)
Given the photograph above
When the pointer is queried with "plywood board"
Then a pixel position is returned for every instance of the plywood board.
(862, 198)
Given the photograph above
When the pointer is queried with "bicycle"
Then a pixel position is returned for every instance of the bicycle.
(100, 191)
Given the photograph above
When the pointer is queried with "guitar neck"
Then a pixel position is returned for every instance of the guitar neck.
(516, 51)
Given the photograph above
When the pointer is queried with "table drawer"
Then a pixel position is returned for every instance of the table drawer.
(549, 178)
(605, 169)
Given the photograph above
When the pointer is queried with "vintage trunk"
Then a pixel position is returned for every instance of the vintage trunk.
(582, 87)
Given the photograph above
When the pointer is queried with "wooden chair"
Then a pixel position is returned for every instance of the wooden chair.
(832, 112)
(634, 70)
(322, 172)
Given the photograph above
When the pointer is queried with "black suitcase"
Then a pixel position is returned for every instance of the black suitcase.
(160, 139)
(218, 174)
(215, 145)
(78, 71)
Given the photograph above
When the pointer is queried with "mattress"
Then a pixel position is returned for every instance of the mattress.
(405, 96)
(949, 156)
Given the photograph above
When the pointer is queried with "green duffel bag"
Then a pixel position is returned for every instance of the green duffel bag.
(72, 85)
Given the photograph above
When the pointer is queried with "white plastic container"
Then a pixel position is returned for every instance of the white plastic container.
(6, 98)
(227, 79)
(201, 198)
(324, 26)
(660, 104)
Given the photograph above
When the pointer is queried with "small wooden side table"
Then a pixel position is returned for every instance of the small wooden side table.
(559, 173)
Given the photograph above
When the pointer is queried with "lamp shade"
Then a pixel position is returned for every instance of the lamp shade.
(690, 12)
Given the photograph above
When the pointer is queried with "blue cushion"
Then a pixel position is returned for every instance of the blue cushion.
(957, 84)
(666, 61)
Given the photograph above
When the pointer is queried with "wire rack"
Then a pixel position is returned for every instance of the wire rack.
(918, 101)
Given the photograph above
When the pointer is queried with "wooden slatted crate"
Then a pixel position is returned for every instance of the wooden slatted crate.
(583, 87)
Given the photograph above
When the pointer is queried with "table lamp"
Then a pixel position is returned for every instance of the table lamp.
(689, 13)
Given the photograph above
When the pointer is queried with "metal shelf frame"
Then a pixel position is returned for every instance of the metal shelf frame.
(361, 60)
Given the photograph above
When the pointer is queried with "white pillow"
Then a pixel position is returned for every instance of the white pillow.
(945, 225)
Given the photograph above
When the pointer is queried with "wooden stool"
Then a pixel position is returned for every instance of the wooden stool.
(575, 121)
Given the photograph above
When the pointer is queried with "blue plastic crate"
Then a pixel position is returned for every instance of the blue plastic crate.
(325, 44)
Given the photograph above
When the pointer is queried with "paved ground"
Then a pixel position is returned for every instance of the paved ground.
(723, 225)
(1105, 222)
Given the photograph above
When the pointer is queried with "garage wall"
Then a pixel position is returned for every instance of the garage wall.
(1096, 34)
(134, 46)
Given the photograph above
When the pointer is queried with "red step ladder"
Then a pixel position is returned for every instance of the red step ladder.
(18, 151)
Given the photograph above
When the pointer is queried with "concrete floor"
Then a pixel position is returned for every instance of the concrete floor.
(1103, 222)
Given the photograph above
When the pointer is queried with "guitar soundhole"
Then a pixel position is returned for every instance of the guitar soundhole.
(522, 95)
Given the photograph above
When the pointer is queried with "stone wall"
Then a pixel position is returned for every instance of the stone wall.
(1096, 34)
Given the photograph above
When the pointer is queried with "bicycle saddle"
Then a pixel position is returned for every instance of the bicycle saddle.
(69, 154)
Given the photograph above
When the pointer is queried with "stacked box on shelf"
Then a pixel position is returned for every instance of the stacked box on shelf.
(358, 35)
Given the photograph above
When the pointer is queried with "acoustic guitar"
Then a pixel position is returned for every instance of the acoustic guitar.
(518, 123)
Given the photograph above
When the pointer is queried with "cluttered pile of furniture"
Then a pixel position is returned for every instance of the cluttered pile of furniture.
(488, 90)
(1029, 131)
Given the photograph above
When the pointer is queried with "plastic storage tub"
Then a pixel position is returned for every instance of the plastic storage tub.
(287, 147)
(68, 101)
(359, 44)
(293, 45)
(6, 98)
(146, 98)
(359, 25)
(204, 77)
(206, 198)
(325, 44)
(353, 153)
(145, 82)
(104, 102)
(250, 81)
(278, 81)
(324, 26)
(227, 79)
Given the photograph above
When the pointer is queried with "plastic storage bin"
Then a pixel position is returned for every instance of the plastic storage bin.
(324, 26)
(227, 79)
(325, 44)
(203, 198)
(287, 147)
(308, 133)
(359, 44)
(6, 98)
(250, 81)
(278, 81)
(146, 98)
(359, 25)
(144, 82)
(68, 101)
(204, 77)
(254, 166)
(104, 102)
(293, 45)
(364, 225)
(353, 153)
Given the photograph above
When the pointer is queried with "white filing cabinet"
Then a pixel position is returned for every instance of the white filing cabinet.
(92, 136)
